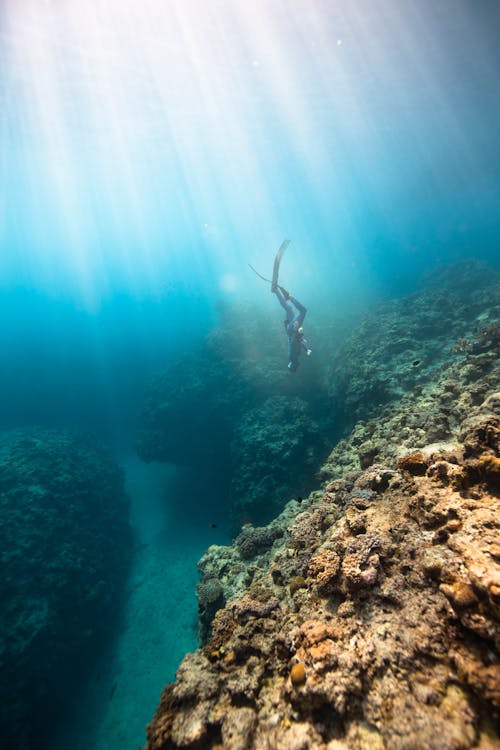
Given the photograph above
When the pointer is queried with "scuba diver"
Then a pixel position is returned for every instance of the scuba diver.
(293, 326)
(294, 320)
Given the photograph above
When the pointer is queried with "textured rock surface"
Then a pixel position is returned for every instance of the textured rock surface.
(431, 415)
(404, 343)
(220, 410)
(64, 548)
(276, 449)
(233, 411)
(395, 624)
(367, 615)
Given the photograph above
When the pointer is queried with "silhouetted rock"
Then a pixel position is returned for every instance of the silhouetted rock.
(276, 450)
(64, 548)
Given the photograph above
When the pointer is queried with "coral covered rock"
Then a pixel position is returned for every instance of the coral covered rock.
(403, 344)
(366, 615)
(276, 449)
(64, 549)
(391, 641)
(430, 419)
(233, 411)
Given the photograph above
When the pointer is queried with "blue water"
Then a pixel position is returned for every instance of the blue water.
(150, 151)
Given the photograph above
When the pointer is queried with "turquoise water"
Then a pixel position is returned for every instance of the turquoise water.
(149, 153)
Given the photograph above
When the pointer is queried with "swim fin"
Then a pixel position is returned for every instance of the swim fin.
(277, 261)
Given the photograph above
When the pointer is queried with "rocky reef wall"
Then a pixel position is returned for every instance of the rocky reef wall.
(65, 544)
(366, 615)
(403, 344)
(232, 410)
(369, 619)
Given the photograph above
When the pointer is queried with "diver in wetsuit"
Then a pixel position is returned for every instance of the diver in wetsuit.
(293, 326)
(294, 320)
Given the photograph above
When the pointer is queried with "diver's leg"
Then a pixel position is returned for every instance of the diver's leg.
(284, 292)
(284, 304)
(302, 311)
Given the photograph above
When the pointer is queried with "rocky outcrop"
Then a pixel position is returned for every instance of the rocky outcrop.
(403, 344)
(366, 617)
(64, 551)
(276, 450)
(432, 414)
(233, 411)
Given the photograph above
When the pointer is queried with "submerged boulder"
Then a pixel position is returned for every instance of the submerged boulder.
(64, 548)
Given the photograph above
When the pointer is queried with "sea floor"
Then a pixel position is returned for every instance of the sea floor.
(159, 623)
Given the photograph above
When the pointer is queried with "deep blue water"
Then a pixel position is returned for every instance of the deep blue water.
(149, 154)
(141, 172)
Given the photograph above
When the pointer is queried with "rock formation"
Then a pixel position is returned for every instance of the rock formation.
(231, 409)
(403, 344)
(64, 550)
(370, 621)
(276, 449)
(366, 616)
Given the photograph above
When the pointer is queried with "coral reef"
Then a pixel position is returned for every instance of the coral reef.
(233, 411)
(427, 418)
(64, 550)
(403, 344)
(390, 639)
(276, 449)
(366, 615)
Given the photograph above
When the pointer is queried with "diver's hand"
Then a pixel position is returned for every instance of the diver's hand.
(308, 352)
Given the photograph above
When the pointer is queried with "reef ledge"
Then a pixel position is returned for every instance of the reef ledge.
(367, 619)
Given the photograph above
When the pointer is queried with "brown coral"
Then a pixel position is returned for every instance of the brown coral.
(324, 567)
(298, 582)
(490, 467)
(413, 463)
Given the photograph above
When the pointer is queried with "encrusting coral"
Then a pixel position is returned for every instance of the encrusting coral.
(392, 641)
